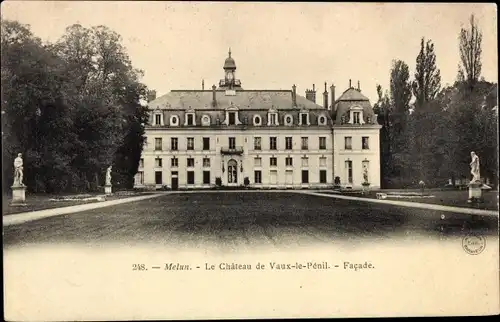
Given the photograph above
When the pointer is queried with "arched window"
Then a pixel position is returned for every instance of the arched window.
(232, 171)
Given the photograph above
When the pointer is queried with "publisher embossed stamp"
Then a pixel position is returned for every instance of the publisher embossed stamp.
(473, 244)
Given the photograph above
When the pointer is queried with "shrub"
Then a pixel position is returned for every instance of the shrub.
(218, 181)
(246, 181)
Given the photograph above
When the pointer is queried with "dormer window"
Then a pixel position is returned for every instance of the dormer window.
(322, 120)
(356, 115)
(304, 118)
(272, 117)
(232, 117)
(205, 120)
(158, 120)
(257, 120)
(288, 120)
(190, 120)
(174, 120)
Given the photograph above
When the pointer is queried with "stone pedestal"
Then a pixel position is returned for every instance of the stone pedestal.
(18, 195)
(107, 189)
(475, 192)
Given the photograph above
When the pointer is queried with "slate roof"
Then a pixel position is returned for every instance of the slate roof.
(353, 97)
(244, 99)
(248, 102)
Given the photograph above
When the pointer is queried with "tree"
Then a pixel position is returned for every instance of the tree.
(400, 96)
(35, 120)
(470, 53)
(427, 76)
(425, 87)
(104, 90)
(69, 107)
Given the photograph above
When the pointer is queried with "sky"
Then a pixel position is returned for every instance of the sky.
(275, 45)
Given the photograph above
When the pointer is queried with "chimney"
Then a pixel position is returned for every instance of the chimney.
(332, 90)
(151, 95)
(325, 98)
(294, 95)
(359, 89)
(350, 86)
(202, 84)
(311, 94)
(214, 99)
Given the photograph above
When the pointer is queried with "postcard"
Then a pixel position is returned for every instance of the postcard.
(233, 160)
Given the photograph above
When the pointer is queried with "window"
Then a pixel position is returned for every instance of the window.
(305, 176)
(190, 162)
(322, 120)
(272, 143)
(348, 167)
(190, 143)
(190, 177)
(273, 161)
(190, 119)
(257, 143)
(356, 116)
(174, 162)
(289, 161)
(304, 119)
(158, 177)
(273, 119)
(141, 163)
(365, 142)
(206, 162)
(139, 178)
(206, 143)
(158, 144)
(257, 176)
(157, 119)
(305, 143)
(257, 162)
(322, 176)
(288, 142)
(257, 120)
(305, 162)
(232, 143)
(232, 118)
(206, 177)
(174, 144)
(158, 162)
(348, 143)
(322, 143)
(174, 120)
(205, 120)
(288, 120)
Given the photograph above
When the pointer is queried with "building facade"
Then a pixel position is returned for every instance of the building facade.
(261, 138)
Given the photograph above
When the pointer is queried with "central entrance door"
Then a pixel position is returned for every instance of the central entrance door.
(232, 172)
(174, 180)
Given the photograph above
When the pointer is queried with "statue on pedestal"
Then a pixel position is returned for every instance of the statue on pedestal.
(474, 168)
(108, 176)
(18, 170)
(365, 173)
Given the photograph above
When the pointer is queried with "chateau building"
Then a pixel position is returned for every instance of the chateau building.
(263, 138)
